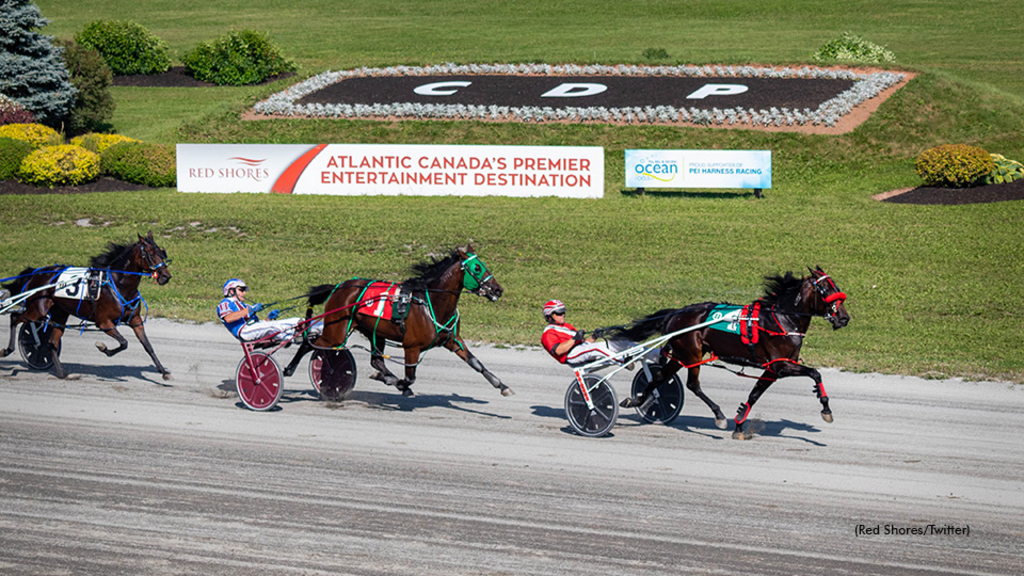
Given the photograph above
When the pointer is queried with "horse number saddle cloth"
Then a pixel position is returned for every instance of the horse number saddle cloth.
(745, 324)
(385, 300)
(80, 283)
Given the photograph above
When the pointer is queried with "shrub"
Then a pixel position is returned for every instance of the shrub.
(12, 152)
(31, 69)
(141, 163)
(654, 54)
(35, 134)
(850, 48)
(97, 143)
(128, 47)
(237, 58)
(64, 165)
(953, 165)
(1005, 170)
(90, 74)
(13, 113)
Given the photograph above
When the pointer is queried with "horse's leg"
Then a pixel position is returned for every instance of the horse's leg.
(794, 369)
(664, 375)
(34, 311)
(58, 318)
(766, 380)
(693, 384)
(383, 374)
(457, 346)
(16, 318)
(412, 357)
(140, 332)
(304, 349)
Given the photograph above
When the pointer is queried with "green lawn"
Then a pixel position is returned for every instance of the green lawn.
(932, 290)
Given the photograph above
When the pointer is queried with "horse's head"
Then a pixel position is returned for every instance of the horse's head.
(152, 259)
(828, 299)
(477, 278)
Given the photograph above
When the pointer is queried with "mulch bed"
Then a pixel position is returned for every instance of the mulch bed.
(952, 196)
(176, 77)
(103, 184)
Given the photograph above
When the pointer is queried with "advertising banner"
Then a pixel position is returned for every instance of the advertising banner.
(699, 169)
(393, 169)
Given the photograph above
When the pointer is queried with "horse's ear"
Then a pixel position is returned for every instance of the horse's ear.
(150, 235)
(467, 250)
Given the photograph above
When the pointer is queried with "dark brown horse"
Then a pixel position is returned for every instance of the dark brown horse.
(433, 316)
(118, 299)
(768, 335)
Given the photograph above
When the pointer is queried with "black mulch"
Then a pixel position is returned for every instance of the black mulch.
(176, 77)
(951, 196)
(103, 184)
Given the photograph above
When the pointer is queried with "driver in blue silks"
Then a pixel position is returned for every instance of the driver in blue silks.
(240, 318)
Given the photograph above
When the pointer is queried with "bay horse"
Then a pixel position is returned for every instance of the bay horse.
(768, 335)
(433, 316)
(118, 299)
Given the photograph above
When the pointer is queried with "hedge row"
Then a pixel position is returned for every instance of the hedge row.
(37, 155)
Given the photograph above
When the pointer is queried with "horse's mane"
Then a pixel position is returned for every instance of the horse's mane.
(114, 256)
(430, 271)
(780, 290)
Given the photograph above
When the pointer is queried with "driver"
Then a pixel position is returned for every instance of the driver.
(571, 346)
(240, 318)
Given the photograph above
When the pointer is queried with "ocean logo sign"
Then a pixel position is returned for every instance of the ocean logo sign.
(699, 169)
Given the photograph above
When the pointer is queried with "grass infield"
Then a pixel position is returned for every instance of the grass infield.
(933, 290)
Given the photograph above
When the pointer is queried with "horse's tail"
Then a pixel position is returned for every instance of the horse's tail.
(18, 284)
(319, 294)
(644, 328)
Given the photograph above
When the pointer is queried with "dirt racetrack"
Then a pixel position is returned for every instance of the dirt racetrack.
(120, 472)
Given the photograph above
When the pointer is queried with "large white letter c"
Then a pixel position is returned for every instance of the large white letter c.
(435, 88)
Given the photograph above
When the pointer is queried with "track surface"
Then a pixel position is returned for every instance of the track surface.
(122, 473)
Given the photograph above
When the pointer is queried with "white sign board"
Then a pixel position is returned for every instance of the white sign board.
(699, 169)
(393, 169)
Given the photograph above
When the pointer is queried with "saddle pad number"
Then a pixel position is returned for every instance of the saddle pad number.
(376, 300)
(73, 284)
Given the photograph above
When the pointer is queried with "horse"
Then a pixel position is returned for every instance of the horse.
(768, 335)
(118, 299)
(432, 316)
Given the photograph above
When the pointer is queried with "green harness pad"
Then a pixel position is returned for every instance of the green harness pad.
(721, 310)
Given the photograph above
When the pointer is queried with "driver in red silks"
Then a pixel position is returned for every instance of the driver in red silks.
(571, 346)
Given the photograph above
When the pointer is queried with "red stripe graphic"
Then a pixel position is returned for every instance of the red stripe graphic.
(285, 183)
(249, 161)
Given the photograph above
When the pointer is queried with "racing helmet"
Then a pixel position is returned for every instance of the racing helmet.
(232, 284)
(553, 307)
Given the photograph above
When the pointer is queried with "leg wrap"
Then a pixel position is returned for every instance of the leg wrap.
(819, 390)
(742, 413)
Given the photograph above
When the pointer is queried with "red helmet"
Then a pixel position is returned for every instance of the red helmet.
(553, 307)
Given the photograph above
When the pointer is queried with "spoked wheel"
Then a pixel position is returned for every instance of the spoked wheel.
(666, 401)
(259, 385)
(587, 422)
(32, 339)
(333, 373)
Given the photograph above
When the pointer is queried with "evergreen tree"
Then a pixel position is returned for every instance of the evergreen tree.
(31, 69)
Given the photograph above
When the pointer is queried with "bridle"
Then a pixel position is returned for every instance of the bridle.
(152, 269)
(476, 273)
(829, 293)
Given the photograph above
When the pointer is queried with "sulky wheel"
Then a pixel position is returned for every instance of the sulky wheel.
(333, 373)
(259, 383)
(666, 401)
(32, 343)
(587, 422)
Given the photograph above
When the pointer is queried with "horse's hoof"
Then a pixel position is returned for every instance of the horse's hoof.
(739, 435)
(827, 417)
(407, 393)
(167, 375)
(73, 377)
(6, 352)
(721, 423)
(101, 346)
(628, 403)
(507, 391)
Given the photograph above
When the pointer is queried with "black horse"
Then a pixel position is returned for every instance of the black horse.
(768, 335)
(432, 318)
(117, 300)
